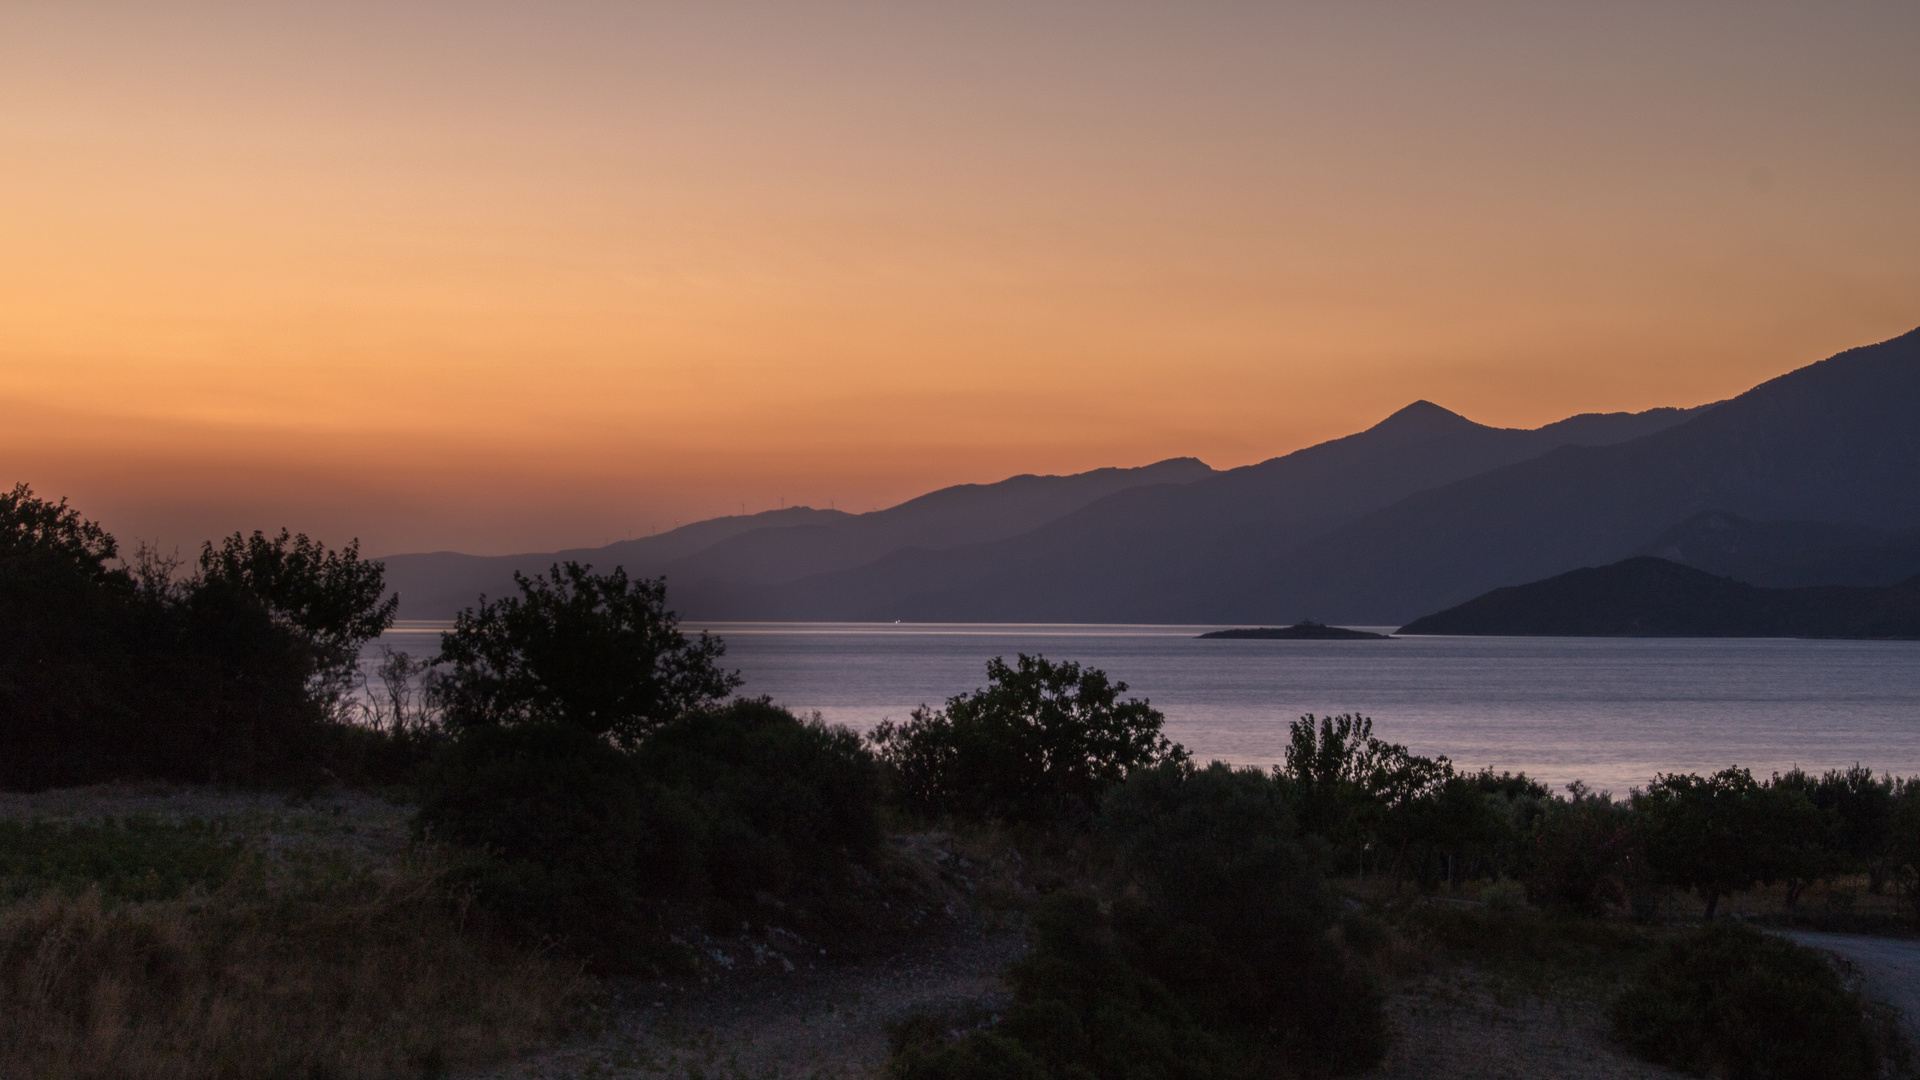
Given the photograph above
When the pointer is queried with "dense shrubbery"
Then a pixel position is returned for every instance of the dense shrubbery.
(595, 768)
(730, 808)
(111, 671)
(1042, 743)
(1213, 960)
(1728, 1000)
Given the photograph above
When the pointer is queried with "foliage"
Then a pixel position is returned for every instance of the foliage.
(1214, 960)
(1864, 809)
(598, 652)
(1582, 851)
(1730, 1001)
(782, 800)
(132, 859)
(331, 599)
(1236, 915)
(33, 528)
(1367, 797)
(108, 672)
(1724, 833)
(1041, 743)
(721, 806)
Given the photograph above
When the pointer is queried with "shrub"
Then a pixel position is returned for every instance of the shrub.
(574, 841)
(109, 673)
(1236, 918)
(726, 807)
(1215, 959)
(1082, 1009)
(598, 652)
(1730, 1001)
(783, 801)
(1042, 743)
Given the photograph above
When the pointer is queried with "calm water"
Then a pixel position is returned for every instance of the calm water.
(1608, 711)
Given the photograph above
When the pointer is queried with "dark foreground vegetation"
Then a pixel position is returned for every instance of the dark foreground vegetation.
(587, 801)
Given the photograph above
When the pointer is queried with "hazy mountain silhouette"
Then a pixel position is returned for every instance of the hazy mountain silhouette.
(1836, 441)
(1813, 477)
(783, 544)
(1164, 553)
(1783, 554)
(1651, 597)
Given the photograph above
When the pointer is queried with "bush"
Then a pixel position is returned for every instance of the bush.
(598, 652)
(1041, 744)
(574, 841)
(728, 807)
(109, 673)
(1215, 959)
(1730, 1001)
(1236, 919)
(783, 802)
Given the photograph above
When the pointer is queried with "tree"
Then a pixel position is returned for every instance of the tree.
(64, 615)
(33, 528)
(332, 599)
(1797, 843)
(598, 652)
(1042, 741)
(1865, 807)
(1701, 831)
(1356, 790)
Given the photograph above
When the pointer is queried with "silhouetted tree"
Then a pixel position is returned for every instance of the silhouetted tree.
(1042, 742)
(598, 652)
(1701, 831)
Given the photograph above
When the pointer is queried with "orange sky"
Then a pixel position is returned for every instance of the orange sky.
(500, 277)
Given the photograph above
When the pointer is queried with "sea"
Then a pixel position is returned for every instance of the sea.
(1611, 713)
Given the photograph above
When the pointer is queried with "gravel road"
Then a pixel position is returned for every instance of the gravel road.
(1890, 968)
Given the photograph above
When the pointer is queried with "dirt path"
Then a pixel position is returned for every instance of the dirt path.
(1890, 968)
(829, 1023)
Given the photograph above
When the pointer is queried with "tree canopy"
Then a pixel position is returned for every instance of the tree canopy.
(598, 652)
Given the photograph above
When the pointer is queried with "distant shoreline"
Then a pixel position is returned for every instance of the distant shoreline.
(1300, 631)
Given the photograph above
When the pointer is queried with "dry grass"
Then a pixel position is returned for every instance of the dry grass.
(335, 950)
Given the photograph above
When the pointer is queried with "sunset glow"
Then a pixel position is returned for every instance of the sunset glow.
(496, 277)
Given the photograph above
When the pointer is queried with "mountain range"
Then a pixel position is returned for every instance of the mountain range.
(1810, 478)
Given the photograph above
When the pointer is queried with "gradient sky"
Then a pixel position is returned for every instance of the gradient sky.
(499, 277)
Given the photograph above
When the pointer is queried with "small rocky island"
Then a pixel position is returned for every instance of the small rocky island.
(1304, 630)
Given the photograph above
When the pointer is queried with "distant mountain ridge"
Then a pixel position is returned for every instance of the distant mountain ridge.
(1810, 478)
(786, 543)
(1836, 441)
(1646, 596)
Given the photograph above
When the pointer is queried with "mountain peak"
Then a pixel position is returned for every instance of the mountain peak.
(1422, 419)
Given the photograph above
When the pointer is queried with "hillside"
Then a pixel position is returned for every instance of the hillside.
(1782, 554)
(1651, 597)
(1810, 478)
(783, 544)
(1836, 441)
(1171, 554)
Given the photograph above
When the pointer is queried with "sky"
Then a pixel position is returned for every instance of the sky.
(498, 277)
